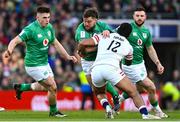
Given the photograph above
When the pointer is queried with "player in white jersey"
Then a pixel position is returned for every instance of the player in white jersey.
(106, 67)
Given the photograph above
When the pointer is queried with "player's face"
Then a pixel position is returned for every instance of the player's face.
(89, 22)
(139, 17)
(43, 19)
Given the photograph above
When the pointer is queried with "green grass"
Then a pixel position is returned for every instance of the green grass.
(78, 116)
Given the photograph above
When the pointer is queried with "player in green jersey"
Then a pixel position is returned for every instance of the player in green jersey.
(38, 36)
(141, 38)
(89, 27)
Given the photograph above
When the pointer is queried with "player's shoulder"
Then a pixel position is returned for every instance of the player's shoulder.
(80, 27)
(101, 23)
(31, 26)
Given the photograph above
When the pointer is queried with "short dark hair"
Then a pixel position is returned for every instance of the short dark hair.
(91, 12)
(43, 9)
(124, 29)
(140, 9)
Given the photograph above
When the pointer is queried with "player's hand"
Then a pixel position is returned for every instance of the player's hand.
(80, 53)
(73, 58)
(6, 56)
(160, 69)
(106, 33)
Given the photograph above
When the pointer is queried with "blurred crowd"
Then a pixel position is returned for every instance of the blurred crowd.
(65, 16)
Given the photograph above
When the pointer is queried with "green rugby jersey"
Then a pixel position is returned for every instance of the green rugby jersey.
(37, 40)
(82, 33)
(139, 38)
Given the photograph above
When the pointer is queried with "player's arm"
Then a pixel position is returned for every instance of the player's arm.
(63, 52)
(153, 55)
(129, 57)
(87, 45)
(11, 46)
(106, 29)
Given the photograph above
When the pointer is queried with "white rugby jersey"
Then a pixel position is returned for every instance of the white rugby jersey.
(112, 49)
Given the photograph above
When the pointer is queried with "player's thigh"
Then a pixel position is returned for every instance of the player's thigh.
(135, 73)
(99, 90)
(113, 74)
(49, 83)
(39, 73)
(103, 73)
(86, 66)
(140, 88)
(42, 74)
(89, 79)
(97, 76)
(126, 85)
(147, 84)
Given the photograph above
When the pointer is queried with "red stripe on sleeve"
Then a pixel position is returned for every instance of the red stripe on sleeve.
(97, 38)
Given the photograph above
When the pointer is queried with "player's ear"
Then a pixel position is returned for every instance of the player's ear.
(134, 16)
(37, 15)
(145, 16)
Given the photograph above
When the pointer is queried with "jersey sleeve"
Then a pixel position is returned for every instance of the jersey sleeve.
(97, 38)
(149, 40)
(25, 34)
(77, 36)
(106, 27)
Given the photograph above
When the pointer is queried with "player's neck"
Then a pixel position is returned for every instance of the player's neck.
(90, 30)
(40, 24)
(139, 25)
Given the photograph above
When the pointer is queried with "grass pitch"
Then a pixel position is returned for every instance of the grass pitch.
(79, 116)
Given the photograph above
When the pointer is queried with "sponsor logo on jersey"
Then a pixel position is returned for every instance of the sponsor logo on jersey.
(139, 42)
(45, 73)
(82, 34)
(45, 42)
(49, 33)
(134, 34)
(145, 35)
(39, 35)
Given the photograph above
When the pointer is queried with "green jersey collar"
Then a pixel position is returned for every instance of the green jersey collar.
(134, 24)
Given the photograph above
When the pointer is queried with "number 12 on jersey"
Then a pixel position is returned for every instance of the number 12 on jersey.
(113, 46)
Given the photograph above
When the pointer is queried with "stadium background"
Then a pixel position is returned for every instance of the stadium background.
(163, 18)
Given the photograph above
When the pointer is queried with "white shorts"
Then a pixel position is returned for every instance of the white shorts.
(102, 73)
(40, 72)
(86, 66)
(135, 72)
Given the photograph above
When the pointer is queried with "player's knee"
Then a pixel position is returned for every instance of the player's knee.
(53, 88)
(152, 88)
(132, 91)
(133, 94)
(97, 92)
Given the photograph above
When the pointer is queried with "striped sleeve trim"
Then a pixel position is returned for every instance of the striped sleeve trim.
(96, 39)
